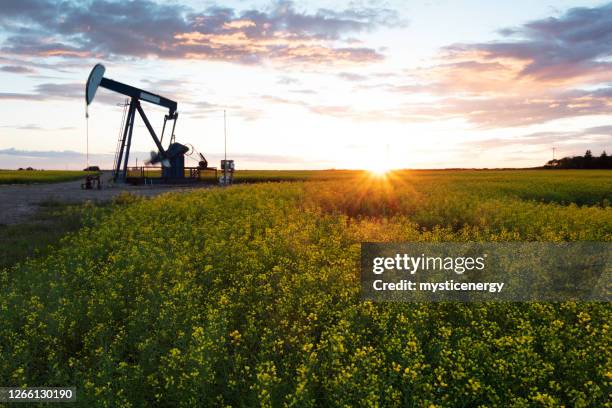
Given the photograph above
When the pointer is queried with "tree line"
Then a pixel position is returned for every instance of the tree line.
(588, 161)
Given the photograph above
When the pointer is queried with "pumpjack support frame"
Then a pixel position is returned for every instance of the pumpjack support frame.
(96, 78)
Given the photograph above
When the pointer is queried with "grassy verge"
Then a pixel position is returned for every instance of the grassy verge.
(42, 232)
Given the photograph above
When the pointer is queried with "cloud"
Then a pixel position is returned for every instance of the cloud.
(485, 112)
(40, 153)
(571, 49)
(166, 86)
(14, 158)
(205, 109)
(30, 126)
(33, 126)
(346, 111)
(175, 89)
(349, 76)
(18, 96)
(144, 28)
(517, 110)
(303, 91)
(32, 65)
(335, 111)
(15, 69)
(543, 70)
(53, 159)
(287, 80)
(60, 91)
(49, 91)
(595, 138)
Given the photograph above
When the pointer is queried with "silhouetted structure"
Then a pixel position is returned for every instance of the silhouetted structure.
(588, 161)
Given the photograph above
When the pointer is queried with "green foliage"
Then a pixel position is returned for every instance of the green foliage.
(43, 230)
(39, 176)
(249, 295)
(258, 176)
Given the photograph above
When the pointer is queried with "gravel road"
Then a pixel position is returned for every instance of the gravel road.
(19, 201)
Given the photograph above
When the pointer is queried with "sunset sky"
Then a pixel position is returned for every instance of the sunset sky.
(317, 84)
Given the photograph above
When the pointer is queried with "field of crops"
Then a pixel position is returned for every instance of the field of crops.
(249, 295)
(255, 176)
(39, 176)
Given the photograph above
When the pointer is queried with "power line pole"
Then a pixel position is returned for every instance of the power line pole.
(224, 150)
(553, 149)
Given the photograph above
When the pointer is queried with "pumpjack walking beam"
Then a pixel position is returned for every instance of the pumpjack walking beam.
(134, 92)
(96, 79)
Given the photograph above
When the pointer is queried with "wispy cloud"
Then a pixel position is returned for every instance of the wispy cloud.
(33, 126)
(287, 80)
(13, 158)
(205, 109)
(16, 69)
(350, 76)
(59, 91)
(593, 136)
(517, 110)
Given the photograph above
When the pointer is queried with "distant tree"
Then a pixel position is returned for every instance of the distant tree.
(581, 162)
(605, 161)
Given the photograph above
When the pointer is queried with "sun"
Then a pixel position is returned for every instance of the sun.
(379, 169)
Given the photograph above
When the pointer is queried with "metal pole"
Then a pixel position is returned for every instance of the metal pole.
(172, 136)
(161, 139)
(87, 132)
(225, 149)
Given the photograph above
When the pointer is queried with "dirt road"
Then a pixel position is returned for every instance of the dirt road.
(19, 201)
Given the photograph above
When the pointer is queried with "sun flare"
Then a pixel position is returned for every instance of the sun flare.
(378, 172)
(379, 169)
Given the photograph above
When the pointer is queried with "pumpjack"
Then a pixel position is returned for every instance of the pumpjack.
(172, 158)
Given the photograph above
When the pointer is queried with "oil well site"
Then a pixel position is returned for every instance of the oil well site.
(167, 170)
(332, 203)
(167, 164)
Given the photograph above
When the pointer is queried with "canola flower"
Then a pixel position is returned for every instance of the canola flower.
(249, 296)
(40, 176)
